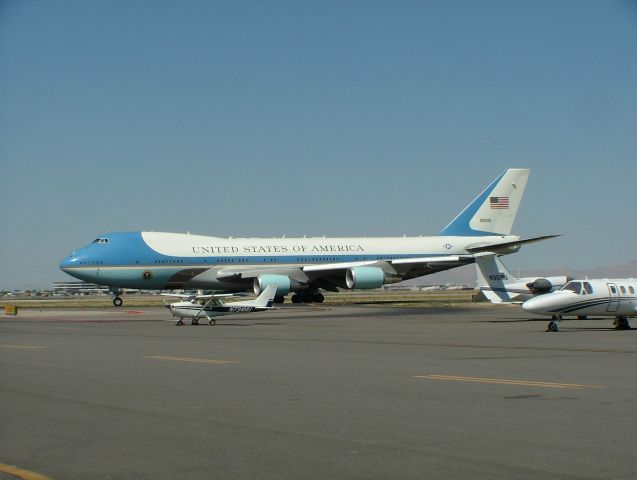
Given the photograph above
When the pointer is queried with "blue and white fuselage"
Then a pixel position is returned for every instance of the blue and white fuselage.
(158, 260)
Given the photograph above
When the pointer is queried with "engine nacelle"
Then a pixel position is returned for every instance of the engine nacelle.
(540, 286)
(367, 277)
(282, 282)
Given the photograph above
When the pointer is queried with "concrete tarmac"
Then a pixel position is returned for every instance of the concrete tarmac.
(339, 392)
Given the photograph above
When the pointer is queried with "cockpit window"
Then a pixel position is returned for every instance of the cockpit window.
(100, 240)
(588, 288)
(573, 287)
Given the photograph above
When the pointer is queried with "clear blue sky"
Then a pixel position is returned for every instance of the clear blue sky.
(291, 117)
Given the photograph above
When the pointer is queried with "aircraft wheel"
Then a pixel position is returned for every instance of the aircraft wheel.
(296, 298)
(622, 323)
(212, 322)
(279, 299)
(180, 322)
(117, 301)
(552, 326)
(318, 298)
(195, 321)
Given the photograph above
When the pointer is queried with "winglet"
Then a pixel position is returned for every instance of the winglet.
(494, 210)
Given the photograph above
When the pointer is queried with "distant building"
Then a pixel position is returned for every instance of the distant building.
(79, 288)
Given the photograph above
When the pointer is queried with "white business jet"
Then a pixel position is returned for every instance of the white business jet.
(211, 306)
(498, 285)
(600, 297)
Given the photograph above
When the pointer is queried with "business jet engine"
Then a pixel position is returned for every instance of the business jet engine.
(540, 286)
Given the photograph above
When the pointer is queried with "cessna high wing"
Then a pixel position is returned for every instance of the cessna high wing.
(164, 261)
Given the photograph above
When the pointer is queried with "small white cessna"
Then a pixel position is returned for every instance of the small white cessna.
(603, 297)
(498, 285)
(211, 306)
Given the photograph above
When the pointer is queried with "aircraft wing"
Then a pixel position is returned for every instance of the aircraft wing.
(498, 247)
(332, 275)
(197, 297)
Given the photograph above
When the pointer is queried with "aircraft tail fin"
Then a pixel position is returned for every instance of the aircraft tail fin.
(493, 278)
(494, 210)
(266, 297)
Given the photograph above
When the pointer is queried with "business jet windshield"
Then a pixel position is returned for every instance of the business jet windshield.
(580, 288)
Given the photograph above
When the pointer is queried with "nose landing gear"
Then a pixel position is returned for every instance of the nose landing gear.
(552, 326)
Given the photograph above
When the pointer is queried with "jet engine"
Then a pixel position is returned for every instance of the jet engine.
(283, 284)
(540, 286)
(367, 277)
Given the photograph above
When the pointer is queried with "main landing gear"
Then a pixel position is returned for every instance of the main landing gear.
(117, 301)
(621, 323)
(195, 321)
(308, 296)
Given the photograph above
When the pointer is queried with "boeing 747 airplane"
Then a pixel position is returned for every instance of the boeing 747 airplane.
(163, 261)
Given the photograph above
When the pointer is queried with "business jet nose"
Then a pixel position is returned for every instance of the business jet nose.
(530, 305)
(543, 303)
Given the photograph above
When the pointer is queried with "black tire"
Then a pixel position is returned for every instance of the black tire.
(117, 301)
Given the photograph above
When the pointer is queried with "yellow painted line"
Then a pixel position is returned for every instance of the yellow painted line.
(23, 474)
(504, 381)
(23, 347)
(191, 360)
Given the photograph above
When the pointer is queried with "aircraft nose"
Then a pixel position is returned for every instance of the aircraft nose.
(529, 305)
(68, 262)
(539, 304)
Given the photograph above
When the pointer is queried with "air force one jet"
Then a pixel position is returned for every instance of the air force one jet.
(601, 297)
(164, 261)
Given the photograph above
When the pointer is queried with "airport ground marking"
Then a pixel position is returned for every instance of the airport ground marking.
(20, 473)
(24, 347)
(505, 381)
(191, 360)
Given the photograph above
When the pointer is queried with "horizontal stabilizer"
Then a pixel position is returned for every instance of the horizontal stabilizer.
(502, 247)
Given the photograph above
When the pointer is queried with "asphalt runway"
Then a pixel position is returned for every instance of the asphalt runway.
(351, 392)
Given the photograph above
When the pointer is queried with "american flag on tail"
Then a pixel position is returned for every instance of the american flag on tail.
(499, 202)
